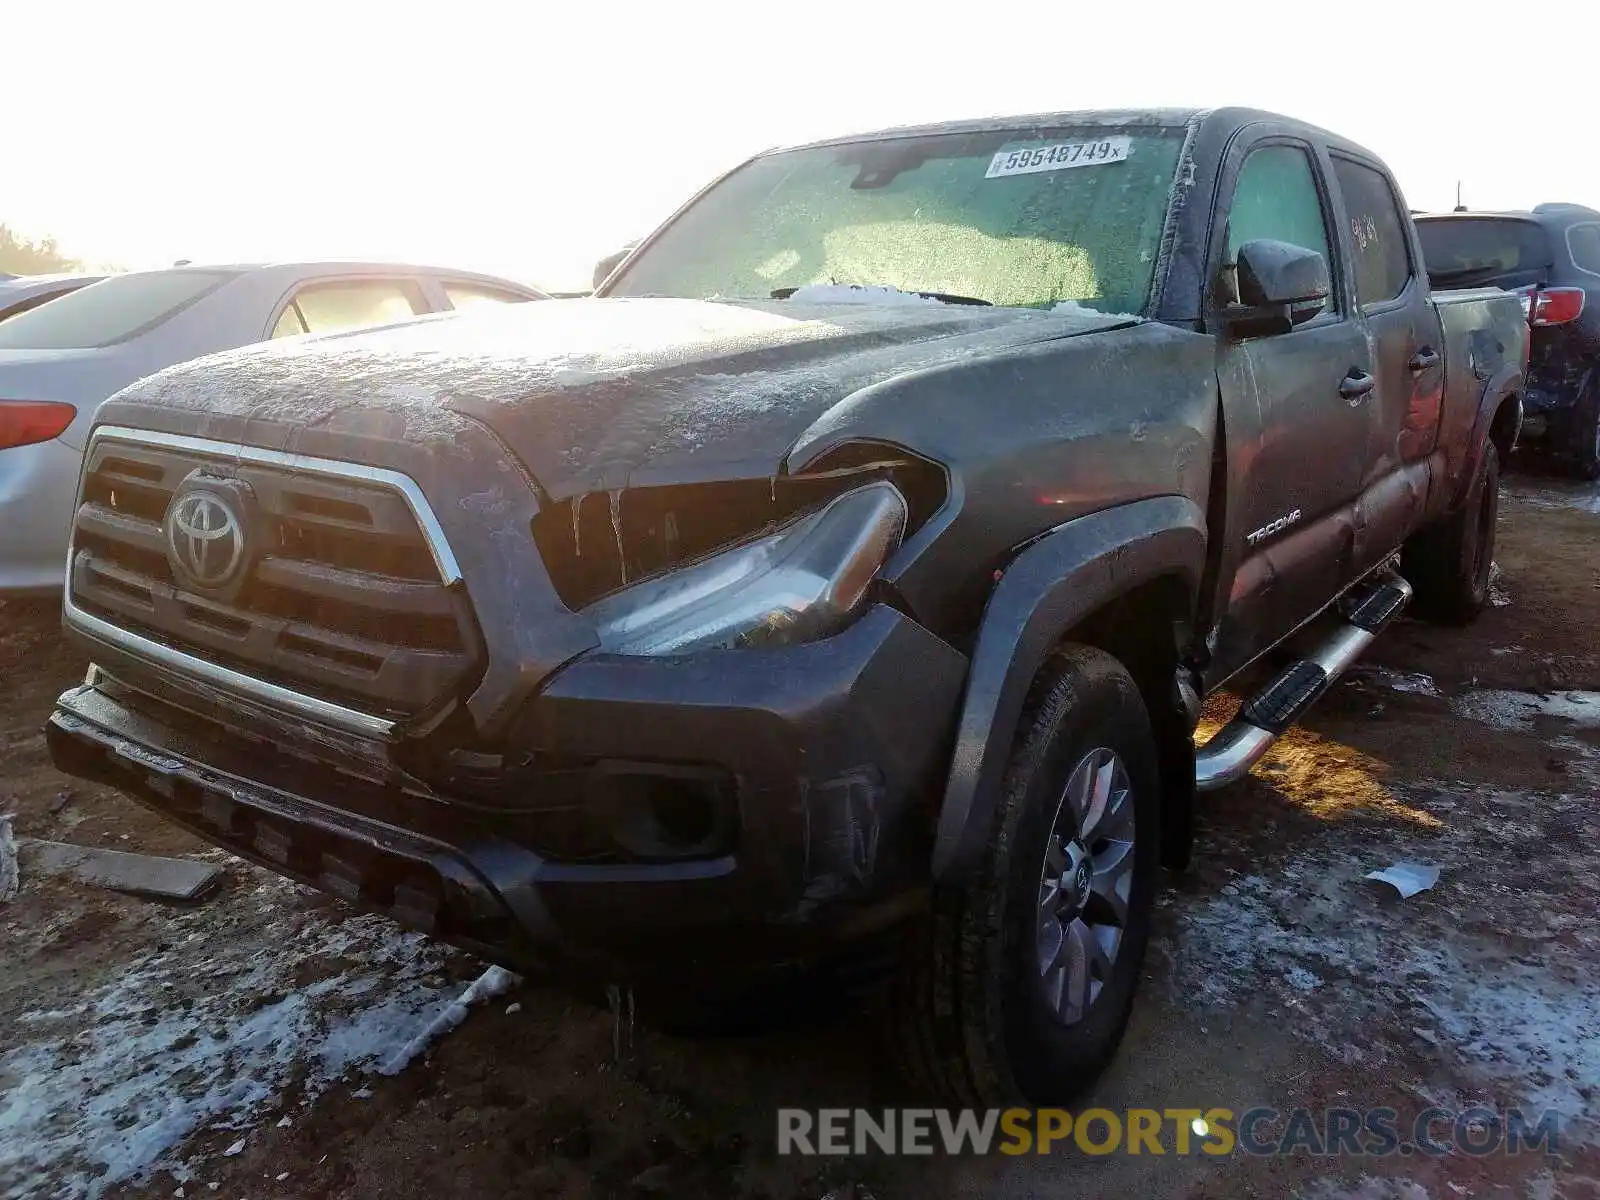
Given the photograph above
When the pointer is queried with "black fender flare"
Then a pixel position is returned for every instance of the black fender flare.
(1052, 585)
(1507, 381)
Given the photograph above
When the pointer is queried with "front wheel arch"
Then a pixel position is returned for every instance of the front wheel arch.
(1049, 594)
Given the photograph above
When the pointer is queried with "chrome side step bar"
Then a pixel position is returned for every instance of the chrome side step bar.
(1239, 745)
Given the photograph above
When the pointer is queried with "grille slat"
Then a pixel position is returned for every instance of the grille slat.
(344, 600)
(109, 525)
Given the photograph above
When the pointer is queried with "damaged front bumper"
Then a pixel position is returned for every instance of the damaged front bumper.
(826, 754)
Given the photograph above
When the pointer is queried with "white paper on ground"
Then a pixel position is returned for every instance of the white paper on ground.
(1407, 878)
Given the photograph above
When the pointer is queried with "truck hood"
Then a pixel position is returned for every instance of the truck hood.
(599, 393)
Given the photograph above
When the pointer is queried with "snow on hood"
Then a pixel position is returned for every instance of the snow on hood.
(590, 392)
(855, 293)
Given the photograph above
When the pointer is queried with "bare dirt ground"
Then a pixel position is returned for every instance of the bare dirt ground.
(233, 1048)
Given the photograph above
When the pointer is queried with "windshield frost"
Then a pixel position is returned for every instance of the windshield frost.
(1027, 220)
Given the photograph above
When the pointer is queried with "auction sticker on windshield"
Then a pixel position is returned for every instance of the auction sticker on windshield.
(1030, 160)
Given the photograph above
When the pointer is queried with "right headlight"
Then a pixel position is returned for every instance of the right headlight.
(805, 581)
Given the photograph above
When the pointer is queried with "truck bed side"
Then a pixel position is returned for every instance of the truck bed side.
(1486, 352)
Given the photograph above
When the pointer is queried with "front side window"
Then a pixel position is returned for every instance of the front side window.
(330, 307)
(1377, 236)
(1276, 198)
(1023, 218)
(110, 311)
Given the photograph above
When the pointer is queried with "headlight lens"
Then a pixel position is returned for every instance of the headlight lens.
(804, 581)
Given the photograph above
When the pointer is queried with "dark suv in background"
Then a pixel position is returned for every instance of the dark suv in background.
(1551, 257)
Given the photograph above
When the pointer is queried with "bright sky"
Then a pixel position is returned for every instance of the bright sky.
(531, 139)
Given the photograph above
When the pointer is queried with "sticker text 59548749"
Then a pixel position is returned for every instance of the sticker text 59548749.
(1031, 159)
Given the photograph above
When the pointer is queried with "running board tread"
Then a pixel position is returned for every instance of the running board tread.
(1262, 719)
(1279, 705)
(1379, 607)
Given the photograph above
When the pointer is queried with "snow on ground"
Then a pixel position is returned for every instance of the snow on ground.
(1561, 717)
(1499, 594)
(1412, 682)
(1376, 980)
(1578, 497)
(1369, 1188)
(207, 1032)
(1520, 712)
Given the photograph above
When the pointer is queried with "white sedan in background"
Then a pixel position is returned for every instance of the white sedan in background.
(60, 361)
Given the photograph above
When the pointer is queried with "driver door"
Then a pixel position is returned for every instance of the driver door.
(1294, 414)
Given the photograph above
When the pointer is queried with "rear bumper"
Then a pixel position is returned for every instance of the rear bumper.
(37, 484)
(831, 749)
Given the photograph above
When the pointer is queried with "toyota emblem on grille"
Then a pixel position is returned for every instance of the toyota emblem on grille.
(205, 538)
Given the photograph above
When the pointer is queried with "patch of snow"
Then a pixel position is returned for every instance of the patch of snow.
(850, 293)
(1367, 1188)
(9, 878)
(1584, 761)
(1579, 499)
(1413, 683)
(496, 981)
(1302, 980)
(1517, 712)
(206, 1033)
(1499, 594)
(1072, 308)
(1518, 1024)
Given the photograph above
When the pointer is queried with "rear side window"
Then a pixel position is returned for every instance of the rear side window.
(1583, 243)
(1480, 249)
(1276, 197)
(470, 295)
(330, 307)
(8, 311)
(1377, 234)
(110, 311)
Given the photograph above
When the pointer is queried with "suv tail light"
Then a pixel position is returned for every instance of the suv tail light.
(1555, 306)
(24, 422)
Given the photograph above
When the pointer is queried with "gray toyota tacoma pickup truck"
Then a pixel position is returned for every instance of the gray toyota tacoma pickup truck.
(836, 590)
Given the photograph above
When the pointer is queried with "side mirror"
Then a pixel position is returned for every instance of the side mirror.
(1279, 286)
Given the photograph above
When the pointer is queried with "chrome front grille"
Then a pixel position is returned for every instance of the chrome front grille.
(347, 596)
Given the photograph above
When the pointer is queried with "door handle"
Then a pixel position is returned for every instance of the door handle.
(1357, 385)
(1424, 359)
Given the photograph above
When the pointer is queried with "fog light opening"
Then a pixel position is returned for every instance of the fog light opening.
(668, 816)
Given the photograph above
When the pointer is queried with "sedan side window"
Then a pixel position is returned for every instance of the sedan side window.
(1382, 259)
(1276, 197)
(470, 295)
(353, 304)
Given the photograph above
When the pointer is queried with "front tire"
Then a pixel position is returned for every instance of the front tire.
(1019, 987)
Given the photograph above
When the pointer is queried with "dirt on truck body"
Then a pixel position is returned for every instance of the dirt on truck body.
(857, 619)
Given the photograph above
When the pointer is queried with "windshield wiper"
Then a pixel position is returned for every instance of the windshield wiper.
(784, 293)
